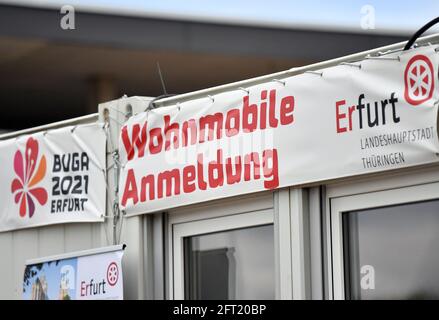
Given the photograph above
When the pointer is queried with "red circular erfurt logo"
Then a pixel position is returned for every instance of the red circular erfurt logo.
(112, 273)
(418, 80)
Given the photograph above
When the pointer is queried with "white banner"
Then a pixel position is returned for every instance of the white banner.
(351, 119)
(53, 177)
(88, 277)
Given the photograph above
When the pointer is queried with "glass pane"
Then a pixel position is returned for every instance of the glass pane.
(235, 264)
(392, 252)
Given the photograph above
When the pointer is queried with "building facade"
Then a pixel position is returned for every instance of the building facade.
(371, 236)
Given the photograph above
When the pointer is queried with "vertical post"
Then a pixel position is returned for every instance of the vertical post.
(158, 255)
(316, 254)
(136, 232)
(300, 244)
(282, 245)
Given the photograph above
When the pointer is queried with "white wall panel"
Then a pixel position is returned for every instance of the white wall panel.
(25, 246)
(51, 240)
(6, 265)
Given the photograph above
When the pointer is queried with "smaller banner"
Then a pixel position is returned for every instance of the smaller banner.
(56, 176)
(78, 277)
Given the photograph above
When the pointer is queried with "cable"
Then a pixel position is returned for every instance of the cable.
(151, 104)
(420, 32)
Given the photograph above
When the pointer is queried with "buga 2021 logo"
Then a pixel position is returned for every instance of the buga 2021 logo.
(418, 80)
(29, 173)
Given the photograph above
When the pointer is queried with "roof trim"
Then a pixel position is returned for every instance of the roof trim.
(125, 12)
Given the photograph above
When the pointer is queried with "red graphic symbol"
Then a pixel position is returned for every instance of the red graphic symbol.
(112, 273)
(418, 80)
(24, 187)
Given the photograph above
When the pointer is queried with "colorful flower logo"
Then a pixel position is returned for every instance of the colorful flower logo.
(24, 186)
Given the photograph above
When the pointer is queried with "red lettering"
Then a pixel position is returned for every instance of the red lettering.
(127, 143)
(190, 124)
(171, 130)
(202, 185)
(263, 109)
(232, 115)
(216, 166)
(252, 157)
(249, 110)
(350, 110)
(137, 138)
(209, 122)
(270, 171)
(339, 115)
(191, 178)
(188, 179)
(172, 179)
(147, 180)
(272, 115)
(286, 110)
(130, 191)
(236, 177)
(155, 133)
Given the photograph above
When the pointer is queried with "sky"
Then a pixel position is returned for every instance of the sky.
(400, 16)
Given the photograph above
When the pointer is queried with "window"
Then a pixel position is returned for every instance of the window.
(224, 250)
(384, 243)
(392, 252)
(249, 247)
(233, 264)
